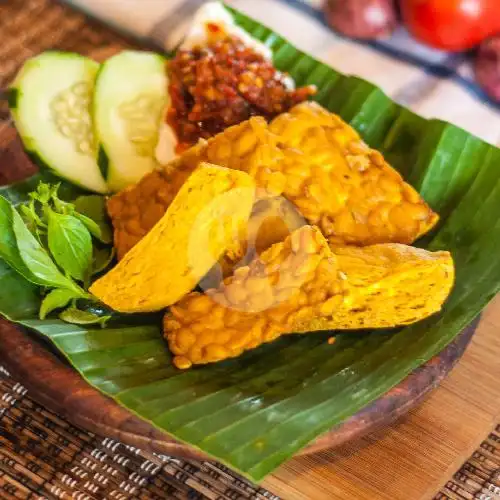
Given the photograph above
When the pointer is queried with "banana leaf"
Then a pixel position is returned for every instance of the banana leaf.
(255, 412)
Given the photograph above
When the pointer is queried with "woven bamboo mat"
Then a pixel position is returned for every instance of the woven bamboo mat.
(479, 477)
(44, 457)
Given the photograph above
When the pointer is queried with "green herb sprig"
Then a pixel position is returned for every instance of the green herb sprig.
(57, 245)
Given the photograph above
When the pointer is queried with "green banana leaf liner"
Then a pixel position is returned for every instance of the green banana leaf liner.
(253, 413)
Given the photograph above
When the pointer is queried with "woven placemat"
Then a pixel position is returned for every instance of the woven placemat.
(479, 477)
(44, 456)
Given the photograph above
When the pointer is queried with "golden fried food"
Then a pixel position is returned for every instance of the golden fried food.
(302, 284)
(309, 156)
(271, 221)
(341, 185)
(201, 223)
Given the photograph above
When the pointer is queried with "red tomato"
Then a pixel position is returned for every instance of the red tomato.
(452, 24)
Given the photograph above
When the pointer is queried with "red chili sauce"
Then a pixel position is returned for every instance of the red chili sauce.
(214, 87)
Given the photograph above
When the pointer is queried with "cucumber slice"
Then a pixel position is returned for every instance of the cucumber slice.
(50, 102)
(129, 98)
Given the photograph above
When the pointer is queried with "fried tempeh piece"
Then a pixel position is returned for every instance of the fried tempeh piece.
(201, 224)
(309, 156)
(304, 285)
(344, 187)
(271, 221)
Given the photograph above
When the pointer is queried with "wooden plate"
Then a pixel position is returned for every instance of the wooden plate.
(60, 388)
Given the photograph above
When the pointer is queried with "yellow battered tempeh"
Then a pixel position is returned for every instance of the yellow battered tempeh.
(303, 285)
(341, 185)
(200, 225)
(271, 221)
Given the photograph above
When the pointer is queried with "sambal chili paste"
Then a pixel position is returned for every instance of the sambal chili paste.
(214, 87)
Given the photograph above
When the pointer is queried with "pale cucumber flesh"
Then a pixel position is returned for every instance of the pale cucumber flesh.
(50, 102)
(129, 99)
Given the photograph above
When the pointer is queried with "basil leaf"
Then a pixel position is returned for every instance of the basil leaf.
(9, 251)
(70, 244)
(60, 206)
(44, 192)
(92, 205)
(35, 225)
(42, 269)
(56, 299)
(30, 215)
(102, 259)
(93, 208)
(94, 228)
(77, 317)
